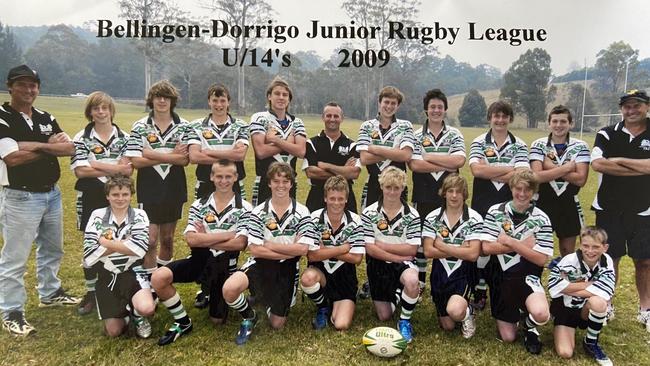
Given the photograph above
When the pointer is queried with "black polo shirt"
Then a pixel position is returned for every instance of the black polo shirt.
(617, 193)
(319, 148)
(40, 174)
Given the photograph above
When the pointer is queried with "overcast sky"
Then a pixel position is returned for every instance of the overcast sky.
(577, 29)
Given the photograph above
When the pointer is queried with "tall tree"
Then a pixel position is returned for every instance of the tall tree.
(241, 13)
(473, 112)
(10, 54)
(610, 71)
(525, 83)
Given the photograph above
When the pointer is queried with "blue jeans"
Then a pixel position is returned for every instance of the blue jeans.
(26, 218)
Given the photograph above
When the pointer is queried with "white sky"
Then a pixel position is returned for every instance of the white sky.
(577, 29)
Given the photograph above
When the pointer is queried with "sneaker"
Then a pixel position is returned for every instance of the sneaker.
(480, 299)
(175, 331)
(246, 330)
(364, 291)
(553, 263)
(532, 342)
(59, 297)
(142, 327)
(320, 322)
(87, 304)
(405, 329)
(202, 300)
(594, 350)
(468, 327)
(644, 317)
(16, 324)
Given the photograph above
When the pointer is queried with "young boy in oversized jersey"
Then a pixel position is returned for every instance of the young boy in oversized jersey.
(561, 165)
(210, 139)
(279, 232)
(581, 285)
(99, 152)
(493, 158)
(276, 136)
(210, 233)
(115, 241)
(330, 281)
(157, 148)
(391, 230)
(452, 237)
(519, 238)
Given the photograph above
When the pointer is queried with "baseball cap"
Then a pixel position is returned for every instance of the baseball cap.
(634, 94)
(23, 71)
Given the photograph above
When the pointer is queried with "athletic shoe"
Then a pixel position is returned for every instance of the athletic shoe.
(142, 326)
(468, 327)
(480, 299)
(175, 331)
(532, 342)
(87, 304)
(644, 318)
(554, 262)
(405, 329)
(202, 300)
(246, 330)
(364, 291)
(322, 315)
(60, 297)
(16, 324)
(594, 350)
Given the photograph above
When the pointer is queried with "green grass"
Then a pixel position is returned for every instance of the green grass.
(65, 338)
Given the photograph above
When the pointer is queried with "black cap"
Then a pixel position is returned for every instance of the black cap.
(634, 94)
(23, 71)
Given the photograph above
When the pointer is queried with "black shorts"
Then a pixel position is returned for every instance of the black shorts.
(569, 317)
(272, 282)
(384, 278)
(340, 285)
(87, 202)
(425, 208)
(215, 270)
(163, 213)
(565, 214)
(627, 233)
(508, 294)
(114, 292)
(461, 283)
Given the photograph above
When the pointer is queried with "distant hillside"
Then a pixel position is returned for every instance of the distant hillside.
(28, 35)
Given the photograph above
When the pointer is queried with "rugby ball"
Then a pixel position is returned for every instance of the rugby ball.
(384, 342)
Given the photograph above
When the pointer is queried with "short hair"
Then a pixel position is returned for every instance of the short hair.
(560, 109)
(98, 98)
(526, 176)
(598, 234)
(454, 180)
(119, 181)
(434, 94)
(392, 176)
(336, 183)
(280, 168)
(390, 92)
(163, 88)
(218, 90)
(333, 104)
(278, 81)
(223, 162)
(500, 106)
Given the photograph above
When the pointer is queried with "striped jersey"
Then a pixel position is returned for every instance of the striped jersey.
(261, 122)
(572, 268)
(348, 232)
(398, 136)
(203, 213)
(468, 227)
(133, 232)
(502, 218)
(89, 147)
(404, 228)
(576, 150)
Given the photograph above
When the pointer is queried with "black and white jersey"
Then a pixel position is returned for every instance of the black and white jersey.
(404, 228)
(576, 150)
(502, 218)
(449, 142)
(162, 182)
(262, 122)
(437, 225)
(572, 268)
(398, 136)
(348, 232)
(203, 213)
(133, 232)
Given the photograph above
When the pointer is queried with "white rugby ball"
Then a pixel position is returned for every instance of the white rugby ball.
(384, 342)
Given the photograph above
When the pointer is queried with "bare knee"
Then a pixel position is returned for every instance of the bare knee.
(114, 329)
(597, 303)
(309, 278)
(456, 312)
(277, 322)
(162, 277)
(564, 351)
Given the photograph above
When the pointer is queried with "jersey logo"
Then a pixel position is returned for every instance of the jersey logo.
(645, 145)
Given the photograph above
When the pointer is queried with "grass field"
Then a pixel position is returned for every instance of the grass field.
(65, 338)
